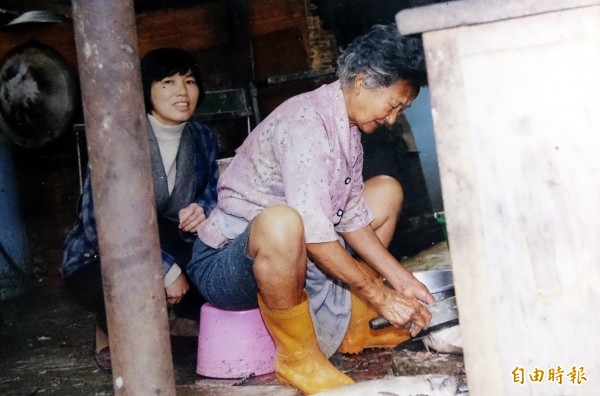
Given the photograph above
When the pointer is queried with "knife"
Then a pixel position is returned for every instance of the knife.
(444, 313)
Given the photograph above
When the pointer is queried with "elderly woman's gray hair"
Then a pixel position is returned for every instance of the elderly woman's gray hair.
(384, 56)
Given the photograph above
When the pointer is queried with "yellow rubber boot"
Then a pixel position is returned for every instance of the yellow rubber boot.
(299, 362)
(360, 336)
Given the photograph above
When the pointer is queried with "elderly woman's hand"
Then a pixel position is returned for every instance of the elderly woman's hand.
(410, 286)
(190, 217)
(405, 312)
(416, 289)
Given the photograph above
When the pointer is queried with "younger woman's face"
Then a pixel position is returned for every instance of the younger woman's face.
(174, 98)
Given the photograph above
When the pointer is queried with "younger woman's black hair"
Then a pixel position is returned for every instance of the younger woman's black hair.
(164, 62)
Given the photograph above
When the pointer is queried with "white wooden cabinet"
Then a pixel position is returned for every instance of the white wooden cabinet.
(515, 96)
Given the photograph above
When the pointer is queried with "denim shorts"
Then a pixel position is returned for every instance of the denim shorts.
(225, 276)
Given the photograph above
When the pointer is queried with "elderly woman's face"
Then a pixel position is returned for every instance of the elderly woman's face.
(174, 98)
(373, 107)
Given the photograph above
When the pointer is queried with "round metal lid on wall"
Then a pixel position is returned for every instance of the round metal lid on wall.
(37, 16)
(37, 95)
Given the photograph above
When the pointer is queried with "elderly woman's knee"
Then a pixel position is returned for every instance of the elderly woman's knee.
(384, 189)
(280, 223)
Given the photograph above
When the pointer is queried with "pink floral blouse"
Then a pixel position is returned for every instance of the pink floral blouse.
(305, 155)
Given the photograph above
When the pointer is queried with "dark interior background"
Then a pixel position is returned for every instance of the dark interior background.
(267, 50)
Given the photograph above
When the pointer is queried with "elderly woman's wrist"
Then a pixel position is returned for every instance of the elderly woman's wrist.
(374, 291)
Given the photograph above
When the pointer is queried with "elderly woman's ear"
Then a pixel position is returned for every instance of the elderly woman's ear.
(359, 82)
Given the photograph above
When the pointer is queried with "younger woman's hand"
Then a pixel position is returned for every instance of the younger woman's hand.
(190, 217)
(176, 290)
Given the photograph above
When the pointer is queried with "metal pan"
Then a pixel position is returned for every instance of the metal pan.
(439, 282)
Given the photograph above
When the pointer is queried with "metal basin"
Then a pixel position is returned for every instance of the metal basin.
(439, 282)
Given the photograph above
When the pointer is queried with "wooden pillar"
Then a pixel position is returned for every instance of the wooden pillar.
(515, 93)
(118, 148)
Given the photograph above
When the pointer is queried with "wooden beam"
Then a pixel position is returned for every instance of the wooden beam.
(469, 12)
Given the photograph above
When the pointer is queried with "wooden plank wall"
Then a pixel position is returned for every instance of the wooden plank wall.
(268, 16)
(194, 29)
(276, 28)
(278, 32)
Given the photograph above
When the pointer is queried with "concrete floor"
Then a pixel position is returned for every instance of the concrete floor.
(45, 342)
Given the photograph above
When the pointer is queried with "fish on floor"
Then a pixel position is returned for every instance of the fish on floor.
(419, 385)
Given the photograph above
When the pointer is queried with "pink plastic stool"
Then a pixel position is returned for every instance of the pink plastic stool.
(233, 344)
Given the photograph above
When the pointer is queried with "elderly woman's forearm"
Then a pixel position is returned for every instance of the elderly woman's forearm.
(332, 258)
